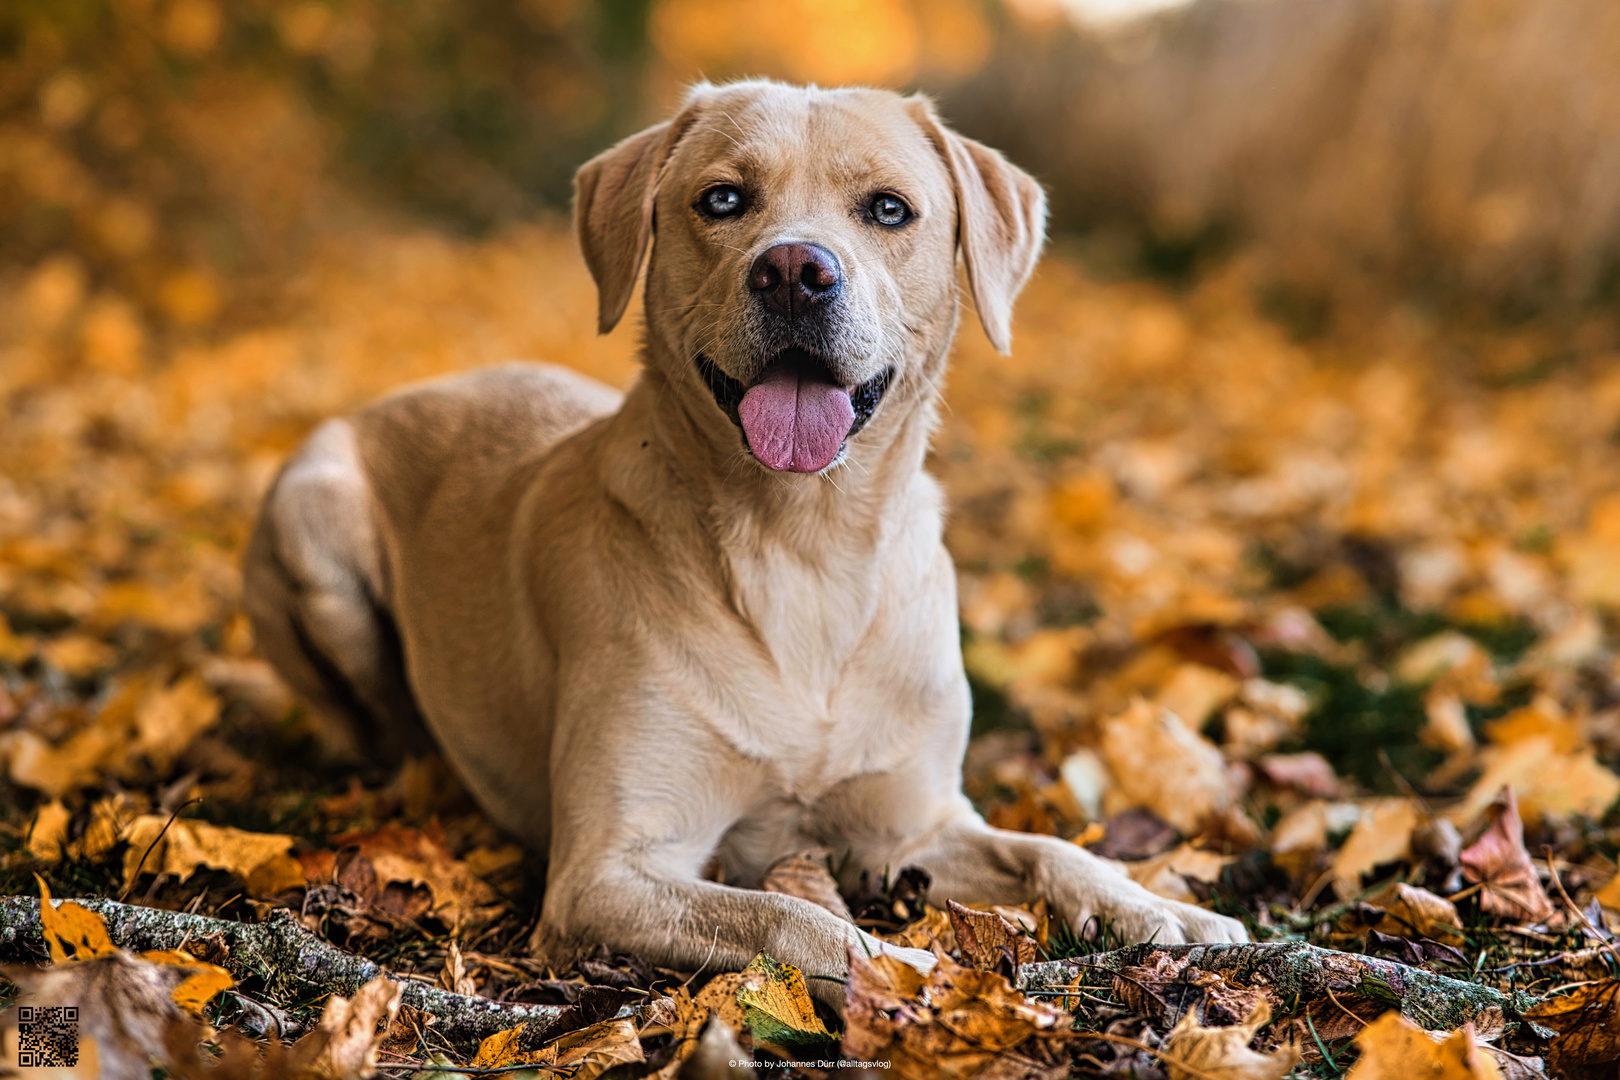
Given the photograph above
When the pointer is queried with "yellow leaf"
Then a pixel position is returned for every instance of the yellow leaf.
(1382, 835)
(71, 927)
(188, 845)
(199, 988)
(1394, 1048)
(501, 1049)
(169, 719)
(48, 834)
(1162, 764)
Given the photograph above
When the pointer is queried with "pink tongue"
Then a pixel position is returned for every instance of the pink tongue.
(795, 423)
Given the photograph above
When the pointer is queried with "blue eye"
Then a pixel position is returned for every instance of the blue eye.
(889, 210)
(721, 201)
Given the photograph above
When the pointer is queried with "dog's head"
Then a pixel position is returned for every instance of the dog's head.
(803, 279)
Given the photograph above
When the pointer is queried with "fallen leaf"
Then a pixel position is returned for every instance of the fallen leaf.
(1383, 834)
(1394, 1048)
(1194, 692)
(1160, 763)
(125, 1004)
(953, 1022)
(932, 929)
(778, 1010)
(1499, 860)
(180, 848)
(1413, 912)
(1587, 1020)
(78, 655)
(805, 875)
(1307, 773)
(415, 857)
(72, 932)
(985, 938)
(200, 987)
(47, 836)
(344, 1044)
(169, 719)
(1167, 874)
(1195, 1052)
(453, 976)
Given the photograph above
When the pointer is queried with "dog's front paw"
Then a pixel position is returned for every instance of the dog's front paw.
(1170, 922)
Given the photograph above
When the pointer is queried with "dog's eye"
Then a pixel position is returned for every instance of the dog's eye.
(889, 210)
(721, 201)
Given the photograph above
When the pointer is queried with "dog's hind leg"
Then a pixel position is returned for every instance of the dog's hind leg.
(315, 591)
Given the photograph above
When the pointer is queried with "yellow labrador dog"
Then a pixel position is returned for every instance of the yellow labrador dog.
(710, 618)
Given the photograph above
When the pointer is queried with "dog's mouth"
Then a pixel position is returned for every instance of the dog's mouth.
(795, 418)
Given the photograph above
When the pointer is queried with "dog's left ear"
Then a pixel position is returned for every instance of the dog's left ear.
(1000, 221)
(613, 212)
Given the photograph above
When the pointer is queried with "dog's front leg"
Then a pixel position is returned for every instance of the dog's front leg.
(969, 861)
(690, 924)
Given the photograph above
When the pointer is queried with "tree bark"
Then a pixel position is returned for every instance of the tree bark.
(1297, 971)
(278, 951)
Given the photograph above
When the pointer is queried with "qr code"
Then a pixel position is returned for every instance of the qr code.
(49, 1036)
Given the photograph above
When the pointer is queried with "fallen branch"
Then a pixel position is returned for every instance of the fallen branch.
(1297, 971)
(278, 951)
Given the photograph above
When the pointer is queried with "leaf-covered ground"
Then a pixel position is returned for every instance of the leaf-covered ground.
(1302, 630)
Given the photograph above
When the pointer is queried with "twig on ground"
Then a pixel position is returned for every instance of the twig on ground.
(277, 951)
(1295, 969)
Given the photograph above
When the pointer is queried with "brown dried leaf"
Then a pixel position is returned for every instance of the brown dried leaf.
(344, 1045)
(985, 937)
(931, 929)
(1394, 1048)
(1588, 1024)
(1499, 860)
(1195, 1052)
(953, 1022)
(453, 976)
(805, 875)
(1417, 913)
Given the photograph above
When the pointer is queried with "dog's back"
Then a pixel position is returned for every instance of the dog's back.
(318, 585)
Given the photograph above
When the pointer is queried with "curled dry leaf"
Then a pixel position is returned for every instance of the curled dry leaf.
(1167, 874)
(1413, 912)
(805, 875)
(1499, 861)
(453, 976)
(955, 1021)
(47, 836)
(932, 929)
(1195, 1052)
(1394, 1048)
(417, 857)
(985, 937)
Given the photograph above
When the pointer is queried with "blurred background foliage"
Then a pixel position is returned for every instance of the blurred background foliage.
(1463, 152)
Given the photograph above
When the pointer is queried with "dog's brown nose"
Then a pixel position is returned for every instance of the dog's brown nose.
(792, 277)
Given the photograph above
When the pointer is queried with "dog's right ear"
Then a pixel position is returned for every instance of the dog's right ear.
(613, 212)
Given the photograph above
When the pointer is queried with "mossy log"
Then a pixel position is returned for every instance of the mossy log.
(278, 952)
(1296, 971)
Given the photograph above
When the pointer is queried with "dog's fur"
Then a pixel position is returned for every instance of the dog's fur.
(641, 649)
